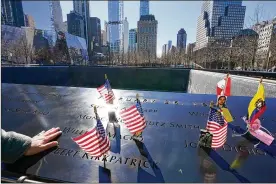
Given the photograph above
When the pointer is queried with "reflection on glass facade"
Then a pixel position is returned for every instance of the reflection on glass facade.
(181, 39)
(144, 7)
(78, 43)
(169, 45)
(49, 16)
(219, 20)
(53, 44)
(115, 18)
(12, 13)
(132, 40)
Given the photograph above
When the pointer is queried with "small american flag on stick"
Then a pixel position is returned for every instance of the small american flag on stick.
(106, 91)
(94, 142)
(133, 118)
(217, 125)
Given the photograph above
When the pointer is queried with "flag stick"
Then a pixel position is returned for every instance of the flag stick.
(104, 160)
(261, 80)
(96, 113)
(137, 133)
(227, 76)
(105, 76)
(211, 104)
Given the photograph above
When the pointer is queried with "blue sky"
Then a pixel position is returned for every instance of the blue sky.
(171, 15)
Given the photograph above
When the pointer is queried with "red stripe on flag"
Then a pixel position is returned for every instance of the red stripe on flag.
(92, 143)
(104, 93)
(219, 133)
(133, 119)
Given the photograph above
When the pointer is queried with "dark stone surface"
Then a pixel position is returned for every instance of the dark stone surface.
(168, 151)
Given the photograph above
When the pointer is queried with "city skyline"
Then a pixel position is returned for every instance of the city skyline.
(157, 8)
(169, 23)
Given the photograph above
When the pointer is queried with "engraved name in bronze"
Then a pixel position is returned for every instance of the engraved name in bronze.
(22, 100)
(26, 111)
(47, 95)
(226, 147)
(204, 114)
(122, 108)
(74, 131)
(134, 162)
(171, 125)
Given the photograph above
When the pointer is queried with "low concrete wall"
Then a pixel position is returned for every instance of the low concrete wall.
(153, 79)
(203, 82)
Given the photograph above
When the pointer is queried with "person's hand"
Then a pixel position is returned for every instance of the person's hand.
(43, 141)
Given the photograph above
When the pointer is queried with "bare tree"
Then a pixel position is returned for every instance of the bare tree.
(16, 51)
(5, 47)
(257, 16)
(74, 55)
(43, 54)
(27, 49)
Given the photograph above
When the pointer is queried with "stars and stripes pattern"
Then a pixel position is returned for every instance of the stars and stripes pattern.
(106, 92)
(133, 118)
(217, 125)
(94, 142)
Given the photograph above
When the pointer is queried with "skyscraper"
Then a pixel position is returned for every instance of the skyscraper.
(132, 45)
(126, 35)
(115, 21)
(164, 50)
(49, 16)
(190, 48)
(75, 24)
(147, 35)
(169, 46)
(95, 26)
(65, 25)
(29, 21)
(144, 7)
(12, 13)
(103, 37)
(267, 41)
(106, 29)
(219, 20)
(56, 15)
(82, 8)
(181, 40)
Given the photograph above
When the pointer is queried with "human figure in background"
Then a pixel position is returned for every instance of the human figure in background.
(15, 145)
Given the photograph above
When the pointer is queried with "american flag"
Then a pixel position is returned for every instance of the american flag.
(133, 118)
(217, 125)
(94, 142)
(106, 91)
